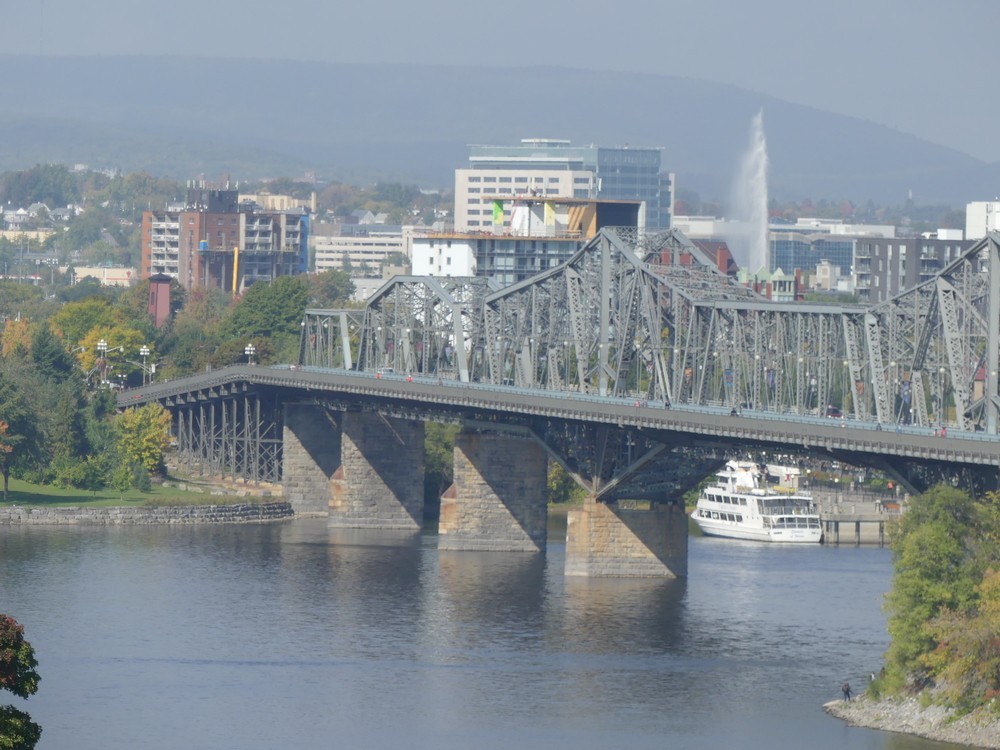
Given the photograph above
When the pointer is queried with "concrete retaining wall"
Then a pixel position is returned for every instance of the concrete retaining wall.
(238, 513)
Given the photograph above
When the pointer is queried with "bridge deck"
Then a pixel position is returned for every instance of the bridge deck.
(706, 425)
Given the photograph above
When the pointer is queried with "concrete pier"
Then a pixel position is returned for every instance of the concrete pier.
(360, 469)
(310, 456)
(380, 481)
(498, 498)
(604, 540)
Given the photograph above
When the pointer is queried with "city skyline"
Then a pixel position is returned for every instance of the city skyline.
(913, 66)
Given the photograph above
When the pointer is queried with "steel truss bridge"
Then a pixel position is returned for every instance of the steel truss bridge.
(639, 366)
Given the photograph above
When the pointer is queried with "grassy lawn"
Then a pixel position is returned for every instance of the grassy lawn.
(40, 495)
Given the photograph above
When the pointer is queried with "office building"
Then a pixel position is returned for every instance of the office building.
(555, 168)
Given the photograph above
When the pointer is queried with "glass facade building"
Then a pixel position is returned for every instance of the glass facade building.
(791, 250)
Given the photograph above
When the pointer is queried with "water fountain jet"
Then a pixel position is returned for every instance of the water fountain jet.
(749, 204)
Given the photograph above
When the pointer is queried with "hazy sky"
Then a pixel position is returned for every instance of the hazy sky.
(926, 67)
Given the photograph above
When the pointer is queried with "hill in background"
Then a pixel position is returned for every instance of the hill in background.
(187, 117)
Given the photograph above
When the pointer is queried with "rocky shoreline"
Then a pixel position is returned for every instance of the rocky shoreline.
(978, 729)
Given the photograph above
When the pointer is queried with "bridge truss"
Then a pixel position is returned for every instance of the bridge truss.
(650, 317)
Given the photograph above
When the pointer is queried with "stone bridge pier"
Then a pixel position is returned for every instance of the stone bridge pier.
(498, 498)
(361, 469)
(604, 540)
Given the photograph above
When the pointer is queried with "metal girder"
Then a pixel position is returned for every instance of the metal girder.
(238, 437)
(649, 316)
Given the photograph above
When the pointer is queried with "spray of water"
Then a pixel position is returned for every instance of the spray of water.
(749, 202)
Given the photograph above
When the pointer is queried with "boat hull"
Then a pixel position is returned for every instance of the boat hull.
(729, 530)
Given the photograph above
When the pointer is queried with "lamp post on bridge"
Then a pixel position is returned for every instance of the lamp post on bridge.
(250, 351)
(144, 352)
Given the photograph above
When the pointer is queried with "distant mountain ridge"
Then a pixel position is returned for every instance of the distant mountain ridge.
(184, 117)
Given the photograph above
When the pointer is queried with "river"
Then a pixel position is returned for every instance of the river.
(297, 636)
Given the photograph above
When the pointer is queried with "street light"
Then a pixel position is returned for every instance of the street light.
(250, 351)
(102, 360)
(144, 352)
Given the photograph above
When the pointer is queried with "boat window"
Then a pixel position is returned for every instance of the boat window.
(715, 515)
(739, 518)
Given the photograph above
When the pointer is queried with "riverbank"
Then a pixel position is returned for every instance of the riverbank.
(978, 729)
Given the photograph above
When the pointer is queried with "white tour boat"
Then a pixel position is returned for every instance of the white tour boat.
(743, 504)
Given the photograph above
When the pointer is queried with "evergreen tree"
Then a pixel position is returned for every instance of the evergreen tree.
(49, 355)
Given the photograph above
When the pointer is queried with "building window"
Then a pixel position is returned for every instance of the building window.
(520, 179)
(473, 190)
(505, 179)
(553, 180)
(581, 180)
(474, 179)
(489, 179)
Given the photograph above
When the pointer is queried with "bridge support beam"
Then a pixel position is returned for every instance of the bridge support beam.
(607, 541)
(380, 481)
(498, 498)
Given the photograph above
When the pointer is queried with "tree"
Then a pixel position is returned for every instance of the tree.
(967, 657)
(16, 338)
(52, 184)
(20, 439)
(935, 570)
(561, 487)
(330, 289)
(18, 675)
(144, 435)
(76, 319)
(7, 443)
(439, 448)
(271, 310)
(49, 355)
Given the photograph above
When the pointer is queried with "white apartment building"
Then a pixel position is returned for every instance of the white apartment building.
(444, 255)
(981, 217)
(361, 255)
(475, 189)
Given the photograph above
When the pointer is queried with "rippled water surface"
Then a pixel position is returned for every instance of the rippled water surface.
(297, 636)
